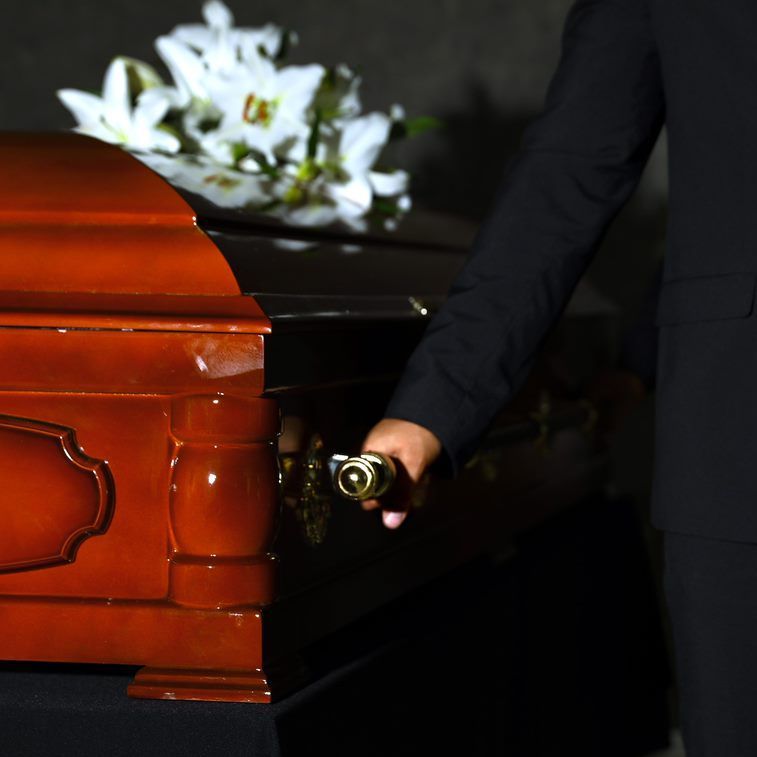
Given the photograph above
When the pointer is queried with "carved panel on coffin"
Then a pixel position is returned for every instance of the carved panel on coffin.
(52, 496)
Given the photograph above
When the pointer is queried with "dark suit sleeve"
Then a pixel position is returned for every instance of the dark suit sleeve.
(579, 161)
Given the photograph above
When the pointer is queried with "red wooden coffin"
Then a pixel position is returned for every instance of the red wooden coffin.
(152, 350)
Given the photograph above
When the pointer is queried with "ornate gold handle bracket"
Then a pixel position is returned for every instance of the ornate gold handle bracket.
(304, 488)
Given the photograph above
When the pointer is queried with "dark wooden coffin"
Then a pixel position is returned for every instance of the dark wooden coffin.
(173, 378)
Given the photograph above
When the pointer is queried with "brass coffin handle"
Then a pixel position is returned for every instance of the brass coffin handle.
(365, 476)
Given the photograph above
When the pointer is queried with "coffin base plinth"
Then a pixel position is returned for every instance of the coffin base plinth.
(201, 685)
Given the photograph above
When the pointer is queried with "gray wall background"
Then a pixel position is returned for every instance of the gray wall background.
(482, 66)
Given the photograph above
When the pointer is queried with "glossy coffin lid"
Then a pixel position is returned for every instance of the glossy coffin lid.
(91, 238)
(334, 273)
(84, 218)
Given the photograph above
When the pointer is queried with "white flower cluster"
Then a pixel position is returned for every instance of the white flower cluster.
(239, 127)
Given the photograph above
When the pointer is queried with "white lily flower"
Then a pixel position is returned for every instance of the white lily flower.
(338, 101)
(263, 107)
(344, 179)
(187, 70)
(349, 104)
(360, 144)
(112, 118)
(317, 214)
(389, 184)
(239, 114)
(309, 215)
(353, 198)
(219, 25)
(190, 74)
(223, 186)
(257, 104)
(339, 97)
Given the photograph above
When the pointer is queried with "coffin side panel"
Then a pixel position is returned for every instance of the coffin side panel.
(52, 496)
(129, 433)
(43, 360)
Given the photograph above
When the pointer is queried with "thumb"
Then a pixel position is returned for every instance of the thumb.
(393, 518)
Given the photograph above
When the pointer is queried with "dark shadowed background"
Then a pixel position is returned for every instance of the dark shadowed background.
(482, 66)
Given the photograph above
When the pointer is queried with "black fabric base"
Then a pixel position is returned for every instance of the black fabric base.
(394, 684)
(556, 651)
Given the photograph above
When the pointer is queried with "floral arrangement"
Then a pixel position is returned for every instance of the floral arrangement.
(243, 129)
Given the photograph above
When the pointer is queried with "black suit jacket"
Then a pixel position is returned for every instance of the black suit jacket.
(626, 67)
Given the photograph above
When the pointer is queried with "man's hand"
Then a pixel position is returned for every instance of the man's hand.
(414, 448)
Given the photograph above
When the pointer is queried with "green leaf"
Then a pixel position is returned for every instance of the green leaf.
(307, 171)
(385, 206)
(239, 150)
(285, 46)
(265, 166)
(140, 76)
(169, 129)
(421, 124)
(293, 195)
(412, 127)
(315, 134)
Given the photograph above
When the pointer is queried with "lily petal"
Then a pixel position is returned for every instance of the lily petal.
(224, 187)
(217, 146)
(165, 165)
(99, 131)
(185, 66)
(86, 108)
(362, 140)
(268, 37)
(389, 184)
(116, 99)
(311, 215)
(151, 106)
(353, 198)
(197, 36)
(298, 85)
(221, 55)
(161, 140)
(217, 15)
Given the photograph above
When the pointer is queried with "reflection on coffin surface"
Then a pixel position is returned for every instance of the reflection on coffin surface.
(171, 399)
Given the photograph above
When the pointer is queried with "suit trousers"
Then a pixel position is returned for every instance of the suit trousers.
(711, 592)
